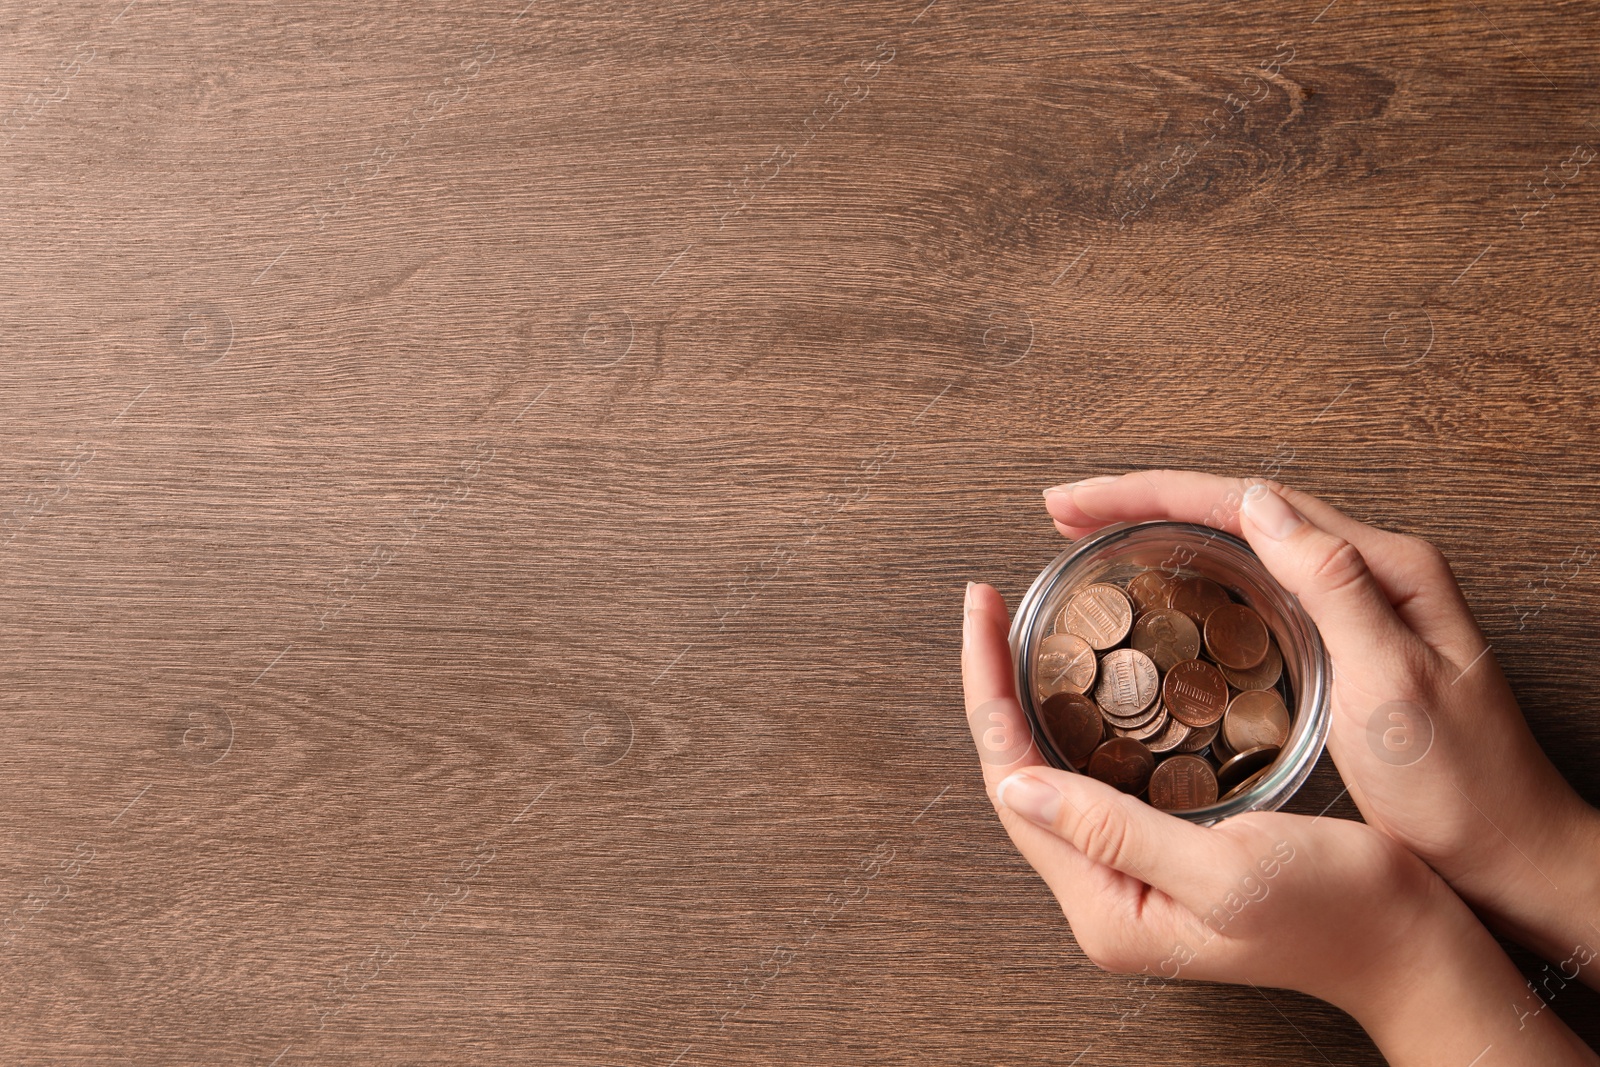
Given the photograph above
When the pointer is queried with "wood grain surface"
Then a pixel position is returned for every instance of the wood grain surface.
(486, 490)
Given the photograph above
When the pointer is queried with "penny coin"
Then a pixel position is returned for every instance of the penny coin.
(1243, 765)
(1171, 738)
(1219, 747)
(1263, 675)
(1135, 720)
(1124, 763)
(1197, 597)
(1065, 664)
(1158, 722)
(1236, 637)
(1073, 724)
(1248, 784)
(1132, 722)
(1183, 783)
(1128, 684)
(1099, 613)
(1255, 718)
(1167, 636)
(1199, 737)
(1194, 692)
(1149, 590)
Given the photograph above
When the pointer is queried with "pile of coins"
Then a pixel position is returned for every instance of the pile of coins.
(1164, 686)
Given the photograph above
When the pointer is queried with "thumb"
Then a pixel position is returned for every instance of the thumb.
(1329, 576)
(1120, 831)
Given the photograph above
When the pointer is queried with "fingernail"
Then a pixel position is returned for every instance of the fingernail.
(966, 611)
(1270, 513)
(1030, 798)
(1070, 486)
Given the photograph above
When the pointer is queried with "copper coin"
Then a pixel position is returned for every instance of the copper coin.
(1219, 747)
(1124, 763)
(1197, 597)
(1157, 723)
(1073, 724)
(1199, 737)
(1135, 720)
(1065, 664)
(1236, 637)
(1248, 784)
(1132, 722)
(1171, 738)
(1263, 675)
(1099, 613)
(1183, 783)
(1167, 636)
(1255, 718)
(1243, 765)
(1129, 683)
(1149, 590)
(1195, 693)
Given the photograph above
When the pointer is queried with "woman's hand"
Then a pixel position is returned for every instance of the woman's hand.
(1331, 908)
(1425, 730)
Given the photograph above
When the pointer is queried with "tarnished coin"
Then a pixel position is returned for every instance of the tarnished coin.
(1158, 722)
(1199, 737)
(1263, 675)
(1236, 637)
(1065, 664)
(1100, 614)
(1171, 738)
(1149, 590)
(1124, 763)
(1073, 724)
(1197, 597)
(1243, 766)
(1195, 693)
(1167, 636)
(1248, 784)
(1129, 682)
(1183, 783)
(1255, 718)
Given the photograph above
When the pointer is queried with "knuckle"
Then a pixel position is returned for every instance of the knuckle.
(1101, 833)
(1424, 556)
(1105, 952)
(1335, 564)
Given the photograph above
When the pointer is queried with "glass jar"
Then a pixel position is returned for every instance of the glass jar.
(1178, 549)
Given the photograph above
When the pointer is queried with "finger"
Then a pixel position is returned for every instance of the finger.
(1185, 861)
(1187, 496)
(1119, 921)
(999, 728)
(1331, 578)
(1004, 739)
(1413, 576)
(1072, 533)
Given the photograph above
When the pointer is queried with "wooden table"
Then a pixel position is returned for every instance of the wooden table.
(487, 494)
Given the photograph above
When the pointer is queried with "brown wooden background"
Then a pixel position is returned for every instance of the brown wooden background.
(486, 494)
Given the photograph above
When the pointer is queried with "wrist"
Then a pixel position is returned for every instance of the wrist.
(1446, 993)
(1552, 905)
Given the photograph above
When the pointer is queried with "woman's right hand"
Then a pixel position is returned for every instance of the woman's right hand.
(1425, 729)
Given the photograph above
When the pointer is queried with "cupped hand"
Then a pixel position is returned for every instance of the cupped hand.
(1425, 730)
(1331, 908)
